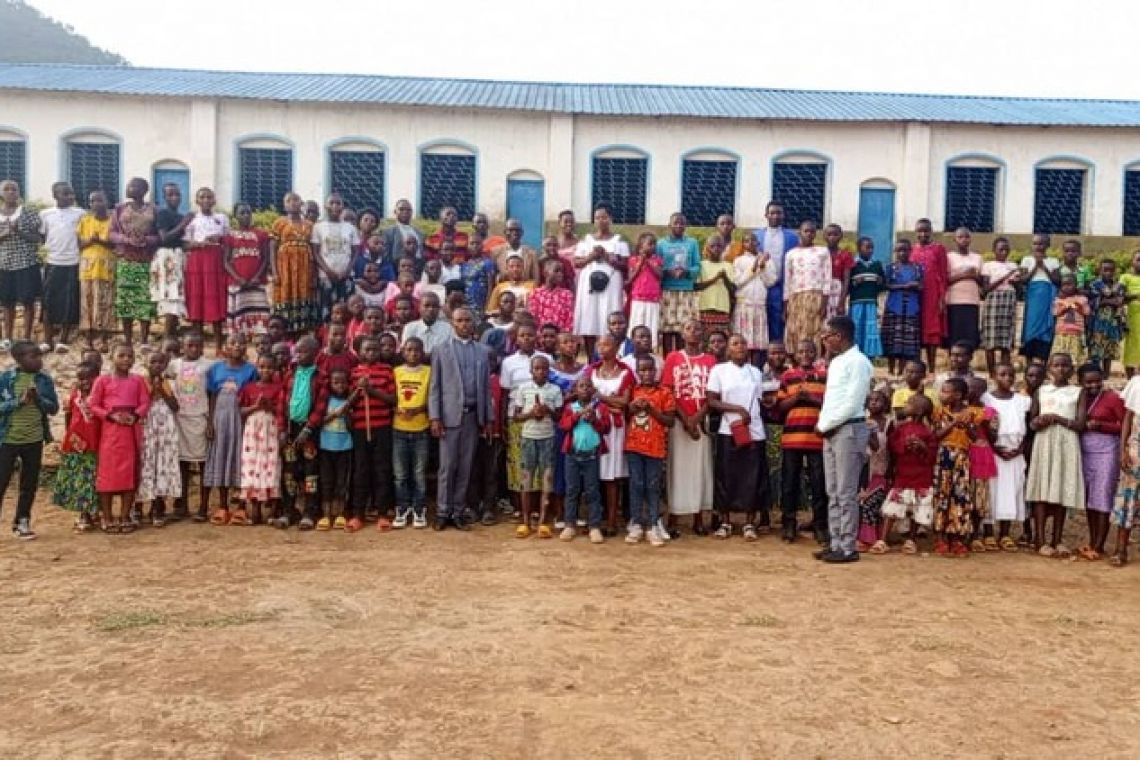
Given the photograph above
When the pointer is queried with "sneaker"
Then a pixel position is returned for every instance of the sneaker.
(419, 518)
(596, 536)
(340, 523)
(559, 524)
(655, 537)
(401, 520)
(23, 531)
(664, 532)
(581, 523)
(635, 533)
(567, 534)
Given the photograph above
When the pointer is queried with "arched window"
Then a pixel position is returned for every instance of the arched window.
(1132, 199)
(447, 178)
(93, 161)
(620, 177)
(14, 157)
(708, 185)
(1060, 186)
(265, 171)
(357, 170)
(972, 183)
(799, 182)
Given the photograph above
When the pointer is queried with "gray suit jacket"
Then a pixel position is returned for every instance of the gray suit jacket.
(445, 396)
(394, 243)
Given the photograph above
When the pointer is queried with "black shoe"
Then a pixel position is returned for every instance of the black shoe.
(789, 534)
(822, 537)
(460, 523)
(488, 518)
(822, 553)
(438, 524)
(841, 558)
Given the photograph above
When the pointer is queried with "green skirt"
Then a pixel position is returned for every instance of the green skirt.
(132, 291)
(75, 483)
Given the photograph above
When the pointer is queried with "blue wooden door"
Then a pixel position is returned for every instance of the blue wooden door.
(180, 177)
(524, 202)
(877, 219)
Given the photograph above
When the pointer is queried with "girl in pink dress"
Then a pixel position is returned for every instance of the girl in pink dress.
(121, 401)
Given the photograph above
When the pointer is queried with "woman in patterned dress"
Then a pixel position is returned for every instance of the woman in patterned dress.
(291, 267)
(246, 261)
(134, 233)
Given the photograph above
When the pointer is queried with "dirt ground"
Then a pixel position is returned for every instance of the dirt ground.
(204, 642)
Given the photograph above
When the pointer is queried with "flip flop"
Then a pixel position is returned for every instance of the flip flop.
(220, 517)
(879, 547)
(1088, 553)
(909, 547)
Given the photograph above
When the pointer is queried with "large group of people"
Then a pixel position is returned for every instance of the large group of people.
(360, 368)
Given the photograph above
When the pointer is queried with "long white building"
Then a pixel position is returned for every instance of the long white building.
(871, 162)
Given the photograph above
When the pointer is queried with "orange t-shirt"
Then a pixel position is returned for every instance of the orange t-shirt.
(646, 435)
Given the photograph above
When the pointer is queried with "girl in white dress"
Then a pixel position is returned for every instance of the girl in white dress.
(601, 258)
(1007, 490)
(612, 381)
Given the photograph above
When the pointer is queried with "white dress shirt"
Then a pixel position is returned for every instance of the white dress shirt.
(848, 383)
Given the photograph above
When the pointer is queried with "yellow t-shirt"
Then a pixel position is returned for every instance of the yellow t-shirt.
(411, 392)
(715, 297)
(903, 394)
(96, 261)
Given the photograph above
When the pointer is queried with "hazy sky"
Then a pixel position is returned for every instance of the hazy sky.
(1002, 47)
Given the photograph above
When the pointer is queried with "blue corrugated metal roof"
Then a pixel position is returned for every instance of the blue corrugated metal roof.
(590, 99)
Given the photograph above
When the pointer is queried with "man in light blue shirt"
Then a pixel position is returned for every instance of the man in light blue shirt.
(843, 425)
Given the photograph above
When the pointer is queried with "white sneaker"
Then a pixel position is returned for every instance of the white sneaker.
(635, 534)
(654, 535)
(401, 520)
(419, 519)
(567, 534)
(664, 532)
(596, 536)
(559, 524)
(23, 531)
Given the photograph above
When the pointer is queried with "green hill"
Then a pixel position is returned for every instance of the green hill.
(28, 36)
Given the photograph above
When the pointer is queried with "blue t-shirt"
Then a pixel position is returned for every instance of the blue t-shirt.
(335, 435)
(221, 373)
(674, 253)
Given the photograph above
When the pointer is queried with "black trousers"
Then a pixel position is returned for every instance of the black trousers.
(371, 472)
(31, 457)
(792, 469)
(300, 474)
(483, 486)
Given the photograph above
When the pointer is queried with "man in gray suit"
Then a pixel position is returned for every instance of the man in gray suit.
(459, 406)
(394, 236)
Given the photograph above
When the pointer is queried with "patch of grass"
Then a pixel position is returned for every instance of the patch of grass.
(761, 621)
(233, 619)
(128, 621)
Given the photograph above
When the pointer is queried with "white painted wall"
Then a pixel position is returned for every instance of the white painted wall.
(204, 134)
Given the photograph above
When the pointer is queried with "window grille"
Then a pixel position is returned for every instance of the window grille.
(359, 178)
(621, 182)
(1058, 201)
(970, 196)
(94, 166)
(265, 175)
(13, 162)
(447, 180)
(801, 189)
(708, 189)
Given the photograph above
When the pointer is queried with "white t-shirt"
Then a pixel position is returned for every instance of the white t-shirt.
(741, 386)
(336, 241)
(59, 226)
(515, 369)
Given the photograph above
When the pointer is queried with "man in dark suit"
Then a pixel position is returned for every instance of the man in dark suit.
(459, 407)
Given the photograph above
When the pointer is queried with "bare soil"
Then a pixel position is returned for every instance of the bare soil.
(203, 642)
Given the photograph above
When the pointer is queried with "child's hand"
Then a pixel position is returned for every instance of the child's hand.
(30, 395)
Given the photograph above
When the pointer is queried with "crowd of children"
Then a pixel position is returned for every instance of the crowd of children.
(696, 414)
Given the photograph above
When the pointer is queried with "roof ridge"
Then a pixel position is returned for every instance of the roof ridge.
(564, 85)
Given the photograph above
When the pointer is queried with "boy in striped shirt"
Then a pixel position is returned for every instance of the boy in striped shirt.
(799, 401)
(372, 436)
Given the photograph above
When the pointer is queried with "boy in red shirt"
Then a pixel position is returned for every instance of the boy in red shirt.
(651, 414)
(914, 450)
(336, 354)
(372, 438)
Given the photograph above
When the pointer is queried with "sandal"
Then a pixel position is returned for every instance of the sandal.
(991, 544)
(82, 524)
(544, 531)
(239, 517)
(1047, 551)
(961, 550)
(879, 547)
(384, 524)
(324, 524)
(1007, 544)
(942, 549)
(978, 546)
(305, 524)
(909, 547)
(281, 523)
(354, 525)
(110, 528)
(1089, 553)
(127, 527)
(522, 531)
(749, 532)
(1063, 552)
(723, 531)
(340, 523)
(220, 517)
